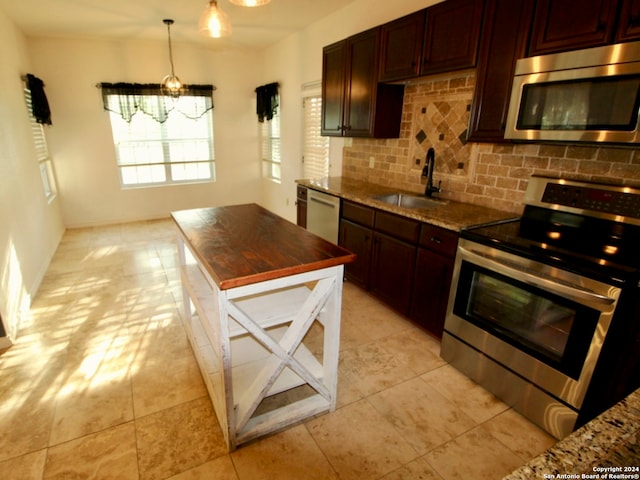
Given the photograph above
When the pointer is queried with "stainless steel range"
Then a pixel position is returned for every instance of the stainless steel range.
(543, 310)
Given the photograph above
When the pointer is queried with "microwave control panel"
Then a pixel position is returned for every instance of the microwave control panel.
(602, 200)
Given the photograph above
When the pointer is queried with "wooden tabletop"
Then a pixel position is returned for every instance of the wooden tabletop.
(244, 244)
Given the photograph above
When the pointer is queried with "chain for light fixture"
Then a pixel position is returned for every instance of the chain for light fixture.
(250, 3)
(171, 85)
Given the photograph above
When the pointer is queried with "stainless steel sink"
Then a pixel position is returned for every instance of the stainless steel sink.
(410, 201)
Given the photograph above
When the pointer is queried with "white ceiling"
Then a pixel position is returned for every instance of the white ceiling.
(255, 27)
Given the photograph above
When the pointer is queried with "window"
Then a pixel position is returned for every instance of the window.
(270, 140)
(166, 141)
(42, 151)
(315, 157)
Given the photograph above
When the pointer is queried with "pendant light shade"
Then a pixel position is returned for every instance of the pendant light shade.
(250, 3)
(214, 22)
(171, 85)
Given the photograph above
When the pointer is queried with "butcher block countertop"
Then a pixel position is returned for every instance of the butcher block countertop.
(451, 215)
(244, 244)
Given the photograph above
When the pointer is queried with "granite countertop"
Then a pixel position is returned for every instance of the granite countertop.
(450, 214)
(606, 447)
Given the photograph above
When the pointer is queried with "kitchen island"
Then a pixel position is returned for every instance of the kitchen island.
(258, 291)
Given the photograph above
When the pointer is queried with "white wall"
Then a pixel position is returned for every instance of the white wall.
(30, 228)
(297, 60)
(82, 149)
(81, 141)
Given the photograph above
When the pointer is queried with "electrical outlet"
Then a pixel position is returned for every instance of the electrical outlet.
(372, 162)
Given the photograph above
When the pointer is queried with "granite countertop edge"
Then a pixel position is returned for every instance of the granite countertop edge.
(609, 442)
(451, 215)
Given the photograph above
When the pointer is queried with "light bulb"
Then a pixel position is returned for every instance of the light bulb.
(214, 22)
(250, 3)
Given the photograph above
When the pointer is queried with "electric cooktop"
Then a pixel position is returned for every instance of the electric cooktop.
(587, 228)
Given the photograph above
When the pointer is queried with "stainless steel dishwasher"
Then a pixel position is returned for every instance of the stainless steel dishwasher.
(323, 215)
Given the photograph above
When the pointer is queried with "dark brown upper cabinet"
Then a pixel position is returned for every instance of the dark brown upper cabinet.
(354, 104)
(452, 33)
(401, 52)
(561, 25)
(334, 78)
(503, 42)
(629, 22)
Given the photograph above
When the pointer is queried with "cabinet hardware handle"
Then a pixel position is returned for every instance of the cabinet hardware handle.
(437, 240)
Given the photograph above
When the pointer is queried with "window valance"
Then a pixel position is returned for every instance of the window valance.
(126, 99)
(267, 101)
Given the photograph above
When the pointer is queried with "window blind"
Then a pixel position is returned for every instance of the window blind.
(315, 147)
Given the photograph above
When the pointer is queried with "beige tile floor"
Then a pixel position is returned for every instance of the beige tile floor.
(102, 384)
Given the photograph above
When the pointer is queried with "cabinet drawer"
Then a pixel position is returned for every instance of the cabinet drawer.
(302, 192)
(398, 227)
(439, 240)
(358, 213)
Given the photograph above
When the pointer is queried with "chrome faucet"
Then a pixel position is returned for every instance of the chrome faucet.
(427, 171)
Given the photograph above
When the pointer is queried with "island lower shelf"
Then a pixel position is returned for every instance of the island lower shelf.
(267, 351)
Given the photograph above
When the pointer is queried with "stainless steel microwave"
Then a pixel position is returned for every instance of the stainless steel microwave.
(590, 95)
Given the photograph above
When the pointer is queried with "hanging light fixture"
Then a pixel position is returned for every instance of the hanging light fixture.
(250, 3)
(171, 85)
(214, 22)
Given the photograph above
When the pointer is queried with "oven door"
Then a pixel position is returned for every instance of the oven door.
(545, 324)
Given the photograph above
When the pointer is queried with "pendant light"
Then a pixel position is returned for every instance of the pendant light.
(171, 85)
(250, 3)
(214, 22)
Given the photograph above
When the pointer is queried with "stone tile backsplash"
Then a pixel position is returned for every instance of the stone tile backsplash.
(436, 114)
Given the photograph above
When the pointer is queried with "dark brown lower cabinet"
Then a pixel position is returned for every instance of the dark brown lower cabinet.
(392, 271)
(432, 280)
(357, 239)
(301, 206)
(403, 262)
(432, 277)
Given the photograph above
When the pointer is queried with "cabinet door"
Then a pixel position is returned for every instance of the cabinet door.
(362, 74)
(392, 271)
(452, 33)
(333, 88)
(357, 239)
(629, 23)
(301, 206)
(431, 284)
(301, 213)
(561, 25)
(504, 40)
(401, 47)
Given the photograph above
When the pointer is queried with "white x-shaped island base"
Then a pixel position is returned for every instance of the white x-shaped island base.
(262, 302)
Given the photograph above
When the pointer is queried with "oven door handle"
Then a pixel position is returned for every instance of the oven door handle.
(513, 271)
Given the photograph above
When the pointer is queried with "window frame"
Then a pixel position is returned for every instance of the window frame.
(270, 148)
(314, 90)
(315, 147)
(43, 157)
(159, 125)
